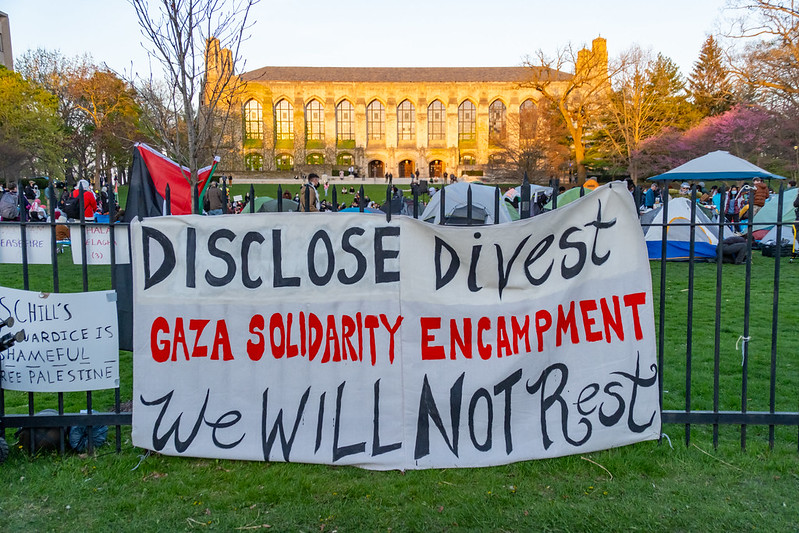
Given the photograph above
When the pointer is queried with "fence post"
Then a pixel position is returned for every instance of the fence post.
(496, 205)
(468, 205)
(224, 196)
(388, 203)
(775, 316)
(168, 200)
(524, 199)
(555, 191)
(662, 318)
(441, 208)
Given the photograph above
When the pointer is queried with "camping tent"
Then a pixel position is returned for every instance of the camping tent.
(768, 213)
(569, 196)
(456, 210)
(678, 234)
(787, 236)
(270, 206)
(715, 166)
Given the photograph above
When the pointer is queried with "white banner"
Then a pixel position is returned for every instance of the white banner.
(98, 245)
(71, 341)
(38, 239)
(345, 339)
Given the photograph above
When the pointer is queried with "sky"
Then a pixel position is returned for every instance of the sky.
(385, 33)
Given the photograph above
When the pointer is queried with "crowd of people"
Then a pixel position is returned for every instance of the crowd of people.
(35, 204)
(733, 203)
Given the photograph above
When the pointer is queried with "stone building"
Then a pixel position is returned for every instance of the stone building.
(380, 120)
(6, 57)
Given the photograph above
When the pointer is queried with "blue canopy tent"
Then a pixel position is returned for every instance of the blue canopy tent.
(716, 166)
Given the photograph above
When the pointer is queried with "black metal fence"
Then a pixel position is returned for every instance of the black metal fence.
(61, 420)
(713, 416)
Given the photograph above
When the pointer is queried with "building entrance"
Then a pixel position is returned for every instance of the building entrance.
(406, 168)
(436, 168)
(376, 169)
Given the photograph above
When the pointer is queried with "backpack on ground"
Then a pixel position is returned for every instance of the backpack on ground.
(9, 208)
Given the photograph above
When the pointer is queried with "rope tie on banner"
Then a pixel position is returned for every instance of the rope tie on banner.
(745, 340)
(668, 439)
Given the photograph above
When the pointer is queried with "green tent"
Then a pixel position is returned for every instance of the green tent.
(259, 201)
(768, 213)
(567, 197)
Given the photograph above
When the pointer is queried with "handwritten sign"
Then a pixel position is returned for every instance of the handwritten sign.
(342, 338)
(71, 341)
(98, 245)
(37, 241)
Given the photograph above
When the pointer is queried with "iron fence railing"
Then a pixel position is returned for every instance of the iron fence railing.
(687, 416)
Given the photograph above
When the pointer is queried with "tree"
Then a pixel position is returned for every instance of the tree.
(771, 60)
(540, 152)
(577, 97)
(710, 85)
(197, 44)
(58, 75)
(30, 129)
(109, 105)
(647, 97)
(749, 132)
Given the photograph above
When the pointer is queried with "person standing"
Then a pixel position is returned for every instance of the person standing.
(215, 201)
(651, 195)
(89, 200)
(761, 195)
(732, 208)
(309, 198)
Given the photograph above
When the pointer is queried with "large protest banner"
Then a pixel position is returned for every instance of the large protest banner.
(346, 339)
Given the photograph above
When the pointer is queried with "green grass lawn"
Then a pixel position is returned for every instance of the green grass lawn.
(667, 486)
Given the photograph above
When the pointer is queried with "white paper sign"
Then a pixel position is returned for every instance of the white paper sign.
(98, 245)
(341, 338)
(71, 341)
(38, 239)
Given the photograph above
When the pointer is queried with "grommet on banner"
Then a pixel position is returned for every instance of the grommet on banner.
(745, 340)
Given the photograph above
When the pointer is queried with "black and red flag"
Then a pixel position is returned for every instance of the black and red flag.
(149, 177)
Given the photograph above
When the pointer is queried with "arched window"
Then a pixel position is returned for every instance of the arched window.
(315, 159)
(314, 121)
(345, 121)
(253, 120)
(496, 122)
(406, 121)
(436, 121)
(254, 162)
(375, 120)
(467, 120)
(284, 121)
(284, 162)
(344, 160)
(527, 119)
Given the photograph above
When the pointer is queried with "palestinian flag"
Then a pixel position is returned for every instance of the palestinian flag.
(148, 180)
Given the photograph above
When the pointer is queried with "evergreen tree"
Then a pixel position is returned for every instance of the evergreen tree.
(666, 87)
(710, 84)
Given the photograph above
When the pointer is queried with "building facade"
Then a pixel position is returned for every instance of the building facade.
(380, 121)
(6, 58)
